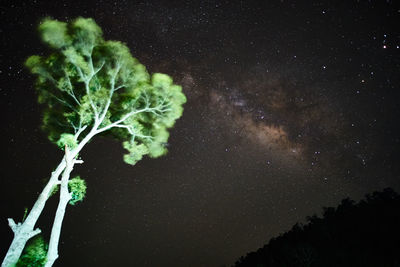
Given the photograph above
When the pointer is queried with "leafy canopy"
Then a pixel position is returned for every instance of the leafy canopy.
(87, 83)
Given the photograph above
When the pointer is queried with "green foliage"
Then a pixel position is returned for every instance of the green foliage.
(136, 152)
(77, 187)
(67, 140)
(89, 82)
(34, 254)
(54, 33)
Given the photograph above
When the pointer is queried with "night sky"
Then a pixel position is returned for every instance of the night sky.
(292, 106)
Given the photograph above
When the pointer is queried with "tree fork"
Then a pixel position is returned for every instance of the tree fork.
(26, 228)
(24, 231)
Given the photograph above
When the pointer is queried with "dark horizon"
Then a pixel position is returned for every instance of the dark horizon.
(291, 107)
(363, 233)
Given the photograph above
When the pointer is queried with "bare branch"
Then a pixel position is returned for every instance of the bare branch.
(14, 227)
(131, 131)
(91, 100)
(78, 161)
(86, 80)
(99, 68)
(81, 75)
(71, 90)
(63, 102)
(34, 232)
(79, 132)
(112, 81)
(119, 87)
(123, 119)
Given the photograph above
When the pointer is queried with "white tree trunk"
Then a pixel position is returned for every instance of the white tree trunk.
(24, 231)
(65, 196)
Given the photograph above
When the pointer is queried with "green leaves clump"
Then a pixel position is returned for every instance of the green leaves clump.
(136, 152)
(77, 187)
(54, 33)
(67, 140)
(34, 254)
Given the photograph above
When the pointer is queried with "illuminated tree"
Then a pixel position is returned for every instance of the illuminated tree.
(88, 87)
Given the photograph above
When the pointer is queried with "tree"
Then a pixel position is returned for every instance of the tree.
(89, 87)
(366, 233)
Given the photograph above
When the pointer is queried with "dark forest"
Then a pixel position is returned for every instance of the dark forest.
(366, 233)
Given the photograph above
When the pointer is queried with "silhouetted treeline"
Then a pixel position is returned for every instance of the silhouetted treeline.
(362, 234)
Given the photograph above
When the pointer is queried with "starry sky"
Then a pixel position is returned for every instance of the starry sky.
(292, 106)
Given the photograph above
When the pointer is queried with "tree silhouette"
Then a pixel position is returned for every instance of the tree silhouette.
(362, 234)
(88, 87)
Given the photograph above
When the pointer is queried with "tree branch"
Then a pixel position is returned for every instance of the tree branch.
(119, 87)
(91, 100)
(130, 130)
(71, 89)
(86, 80)
(79, 132)
(81, 75)
(34, 232)
(14, 227)
(63, 102)
(112, 82)
(147, 109)
(99, 68)
(78, 161)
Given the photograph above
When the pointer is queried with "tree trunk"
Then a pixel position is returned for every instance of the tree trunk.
(65, 196)
(24, 231)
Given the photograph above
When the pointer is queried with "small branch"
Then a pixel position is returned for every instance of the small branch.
(123, 119)
(78, 161)
(79, 132)
(130, 130)
(119, 87)
(71, 89)
(14, 227)
(112, 81)
(99, 68)
(86, 80)
(91, 100)
(63, 102)
(81, 75)
(34, 232)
